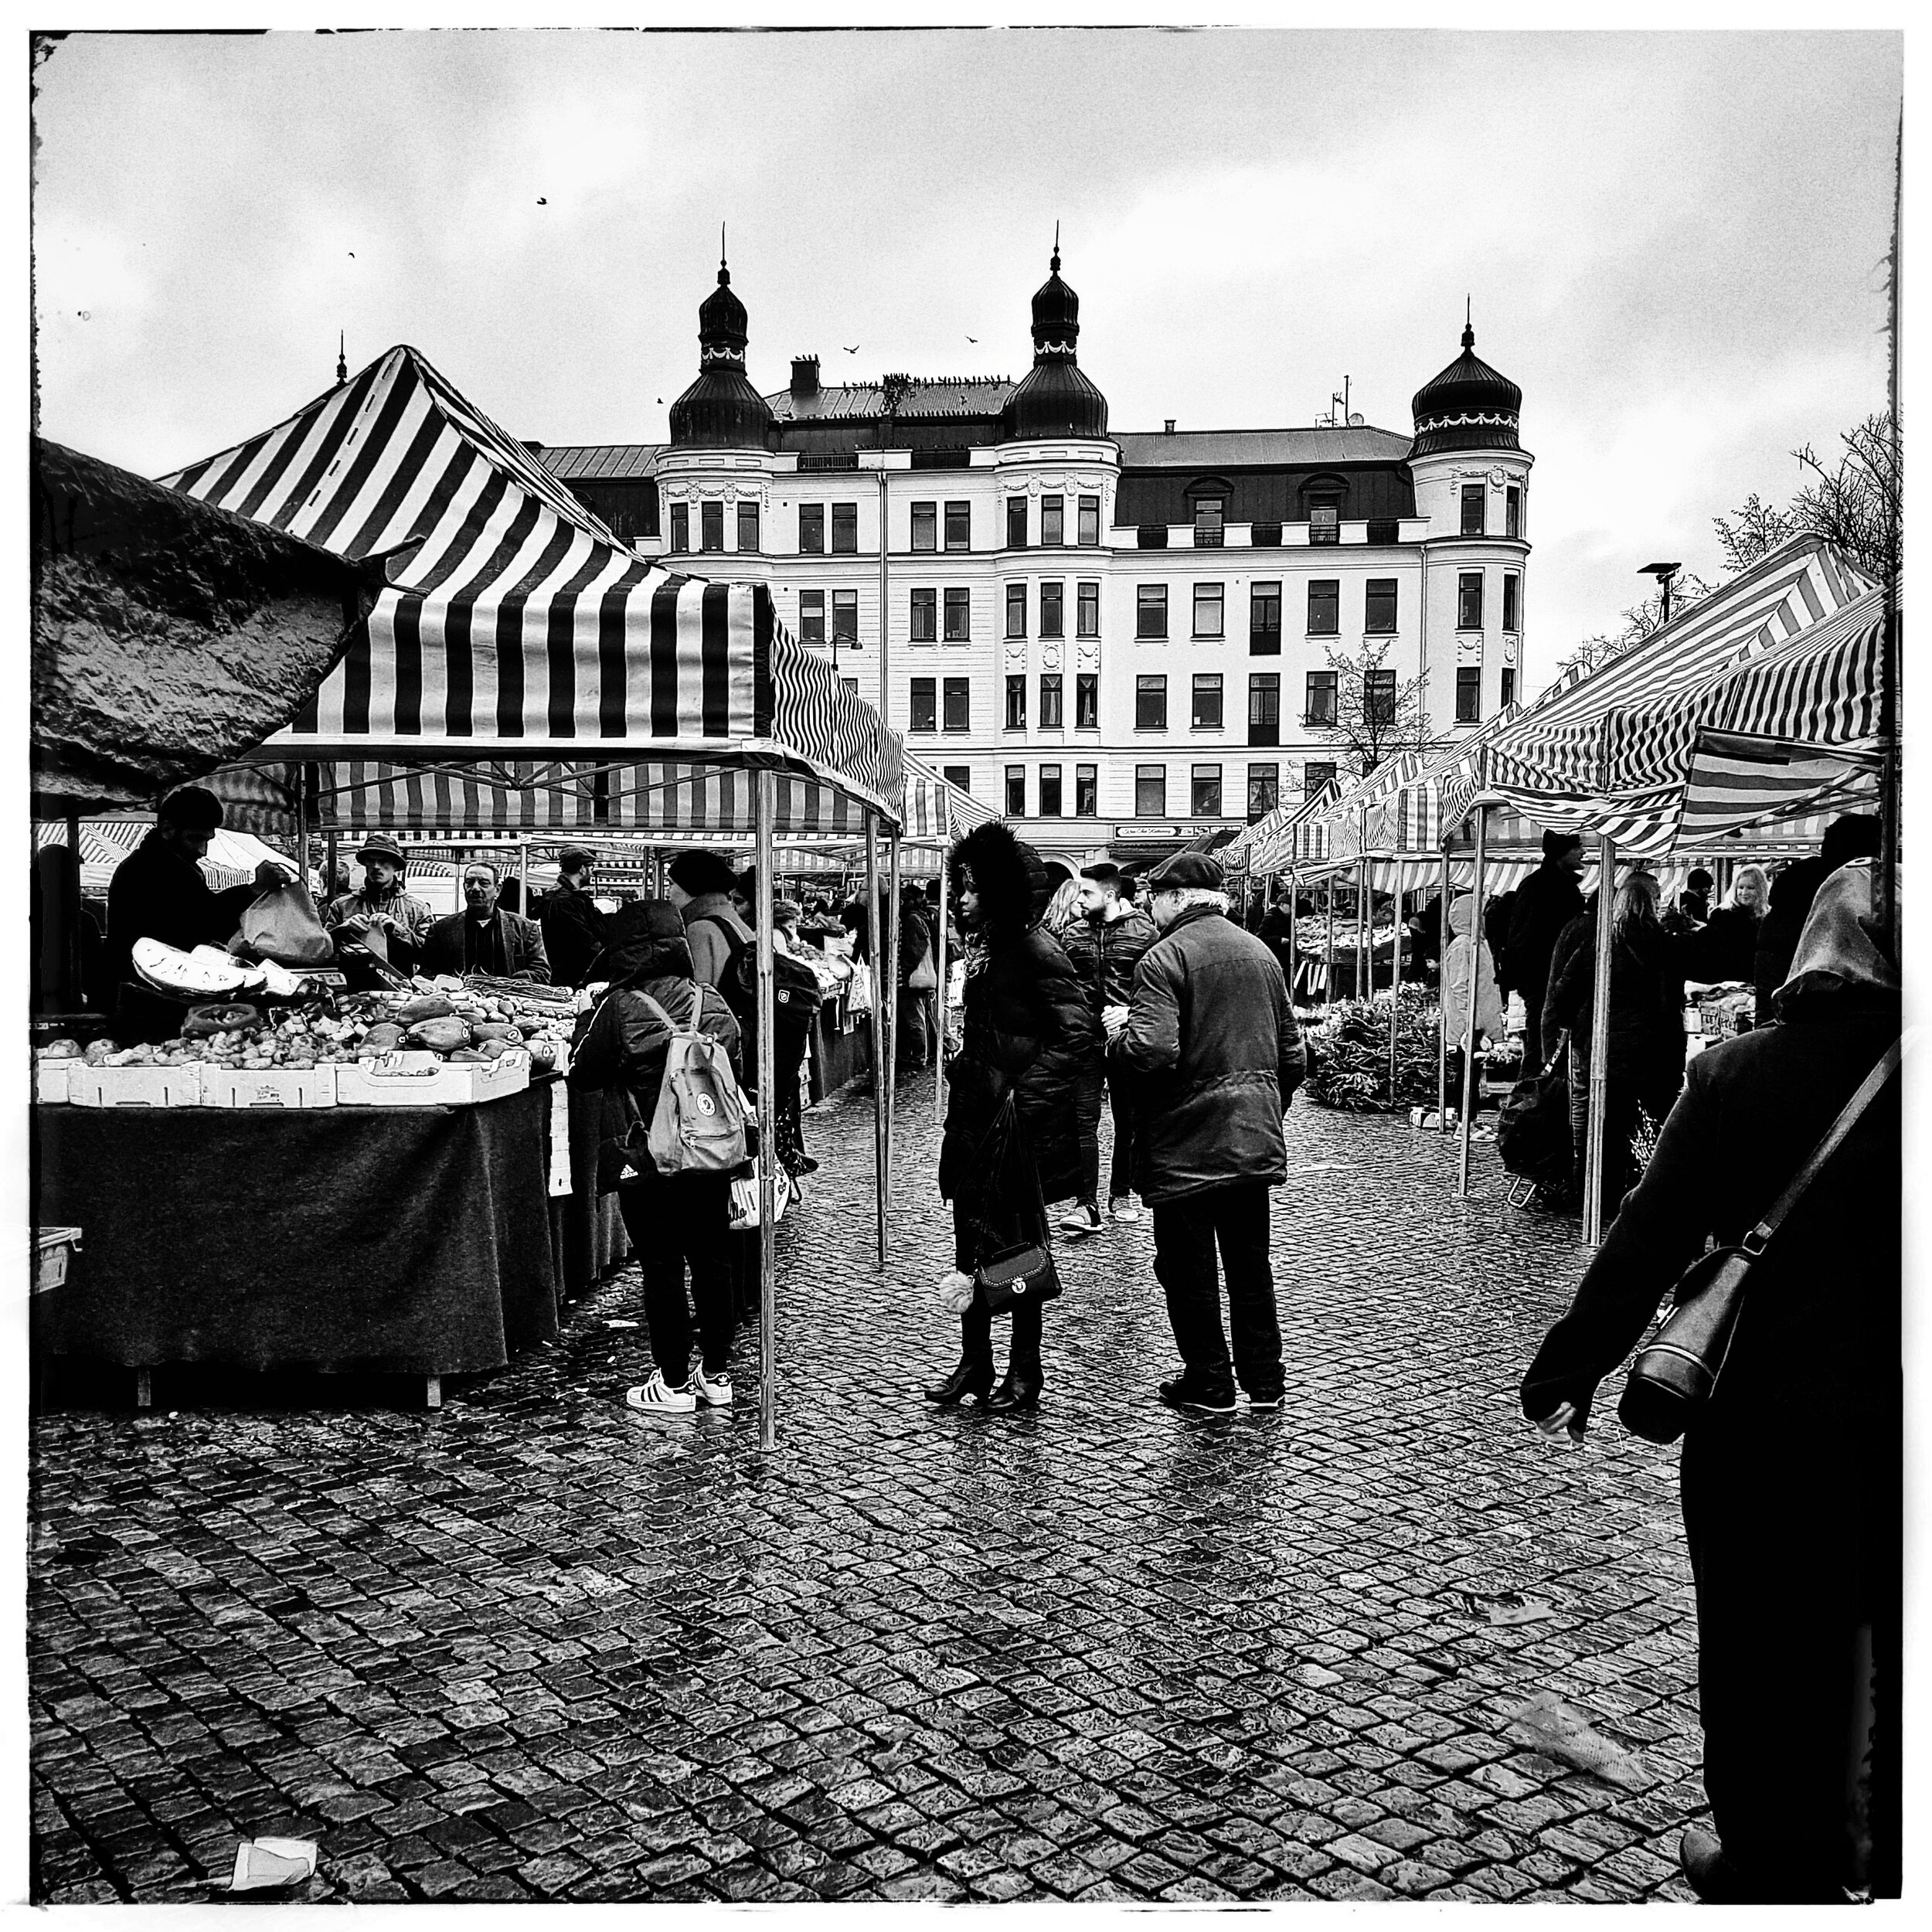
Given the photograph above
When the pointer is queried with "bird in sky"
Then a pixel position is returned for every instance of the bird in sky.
(972, 339)
(853, 350)
(543, 201)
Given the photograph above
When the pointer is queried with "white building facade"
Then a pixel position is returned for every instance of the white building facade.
(1122, 640)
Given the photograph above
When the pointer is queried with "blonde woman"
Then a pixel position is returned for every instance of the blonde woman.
(1726, 949)
(1063, 909)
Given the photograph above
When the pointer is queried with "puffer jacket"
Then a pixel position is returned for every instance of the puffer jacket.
(622, 1043)
(1104, 955)
(1646, 1029)
(1213, 1041)
(1026, 1027)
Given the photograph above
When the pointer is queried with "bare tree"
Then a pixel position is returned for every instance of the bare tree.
(1377, 714)
(1854, 506)
(1640, 620)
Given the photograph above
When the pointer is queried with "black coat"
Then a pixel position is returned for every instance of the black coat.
(1545, 903)
(1105, 956)
(574, 930)
(155, 893)
(623, 1043)
(1726, 948)
(1646, 1031)
(522, 944)
(1792, 892)
(1217, 1055)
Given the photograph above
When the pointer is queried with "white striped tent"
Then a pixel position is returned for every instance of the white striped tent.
(233, 855)
(516, 623)
(1274, 843)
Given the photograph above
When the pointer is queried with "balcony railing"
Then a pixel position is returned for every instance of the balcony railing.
(829, 460)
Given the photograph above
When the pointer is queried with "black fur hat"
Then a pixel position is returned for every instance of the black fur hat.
(1012, 883)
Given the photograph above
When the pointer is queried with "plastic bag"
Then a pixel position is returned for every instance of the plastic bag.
(283, 925)
(744, 1197)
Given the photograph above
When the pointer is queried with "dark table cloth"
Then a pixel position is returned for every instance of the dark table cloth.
(586, 1229)
(835, 1058)
(413, 1240)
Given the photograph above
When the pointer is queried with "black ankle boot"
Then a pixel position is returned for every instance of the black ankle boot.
(972, 1377)
(1018, 1391)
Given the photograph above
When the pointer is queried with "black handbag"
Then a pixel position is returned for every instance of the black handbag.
(1020, 1270)
(1533, 1138)
(1023, 1273)
(1676, 1371)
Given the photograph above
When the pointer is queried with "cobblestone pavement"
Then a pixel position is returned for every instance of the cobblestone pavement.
(535, 1646)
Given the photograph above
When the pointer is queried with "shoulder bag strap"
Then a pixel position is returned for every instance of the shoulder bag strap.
(670, 1025)
(1875, 1082)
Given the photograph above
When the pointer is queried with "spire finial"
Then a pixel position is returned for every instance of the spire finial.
(1055, 264)
(341, 357)
(1468, 326)
(724, 273)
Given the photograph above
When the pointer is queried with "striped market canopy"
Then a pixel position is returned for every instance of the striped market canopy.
(1274, 843)
(516, 623)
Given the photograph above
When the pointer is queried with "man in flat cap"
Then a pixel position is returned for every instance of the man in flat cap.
(1211, 1038)
(382, 906)
(574, 930)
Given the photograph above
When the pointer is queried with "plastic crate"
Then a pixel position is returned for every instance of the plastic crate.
(53, 1250)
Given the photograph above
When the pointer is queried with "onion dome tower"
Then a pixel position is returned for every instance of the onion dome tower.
(1056, 399)
(1469, 406)
(721, 410)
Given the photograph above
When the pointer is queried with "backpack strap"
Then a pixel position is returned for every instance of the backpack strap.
(670, 1025)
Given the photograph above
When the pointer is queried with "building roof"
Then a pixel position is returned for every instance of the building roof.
(603, 461)
(1308, 449)
(925, 397)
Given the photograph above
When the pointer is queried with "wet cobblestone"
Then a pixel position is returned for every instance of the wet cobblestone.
(535, 1647)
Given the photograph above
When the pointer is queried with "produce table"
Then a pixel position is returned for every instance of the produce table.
(410, 1240)
(836, 1057)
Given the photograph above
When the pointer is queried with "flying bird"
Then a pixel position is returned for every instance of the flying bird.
(852, 351)
(543, 201)
(972, 339)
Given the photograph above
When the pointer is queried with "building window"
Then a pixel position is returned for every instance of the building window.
(1325, 607)
(1086, 701)
(925, 526)
(1050, 791)
(959, 616)
(1150, 791)
(1089, 524)
(681, 526)
(1315, 774)
(1053, 521)
(1205, 792)
(1016, 523)
(1209, 530)
(1150, 536)
(959, 775)
(1473, 494)
(1053, 600)
(1207, 609)
(1016, 701)
(1265, 536)
(845, 616)
(711, 526)
(1016, 609)
(1264, 790)
(1513, 511)
(1016, 792)
(1321, 708)
(1324, 520)
(811, 529)
(1051, 704)
(925, 704)
(1379, 697)
(1508, 686)
(1469, 601)
(747, 526)
(925, 625)
(1468, 693)
(812, 617)
(1150, 701)
(844, 530)
(959, 526)
(1264, 620)
(1087, 791)
(1264, 707)
(1150, 610)
(1510, 582)
(1379, 615)
(1087, 609)
(1207, 700)
(1385, 529)
(850, 686)
(957, 714)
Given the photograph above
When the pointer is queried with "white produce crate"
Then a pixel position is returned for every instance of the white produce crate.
(268, 1086)
(412, 1079)
(134, 1085)
(51, 1079)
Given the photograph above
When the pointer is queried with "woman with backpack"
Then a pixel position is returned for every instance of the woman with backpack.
(1027, 1028)
(680, 1219)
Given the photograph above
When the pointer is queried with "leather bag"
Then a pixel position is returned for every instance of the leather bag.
(1023, 1273)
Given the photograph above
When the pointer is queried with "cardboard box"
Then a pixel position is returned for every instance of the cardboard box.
(134, 1085)
(51, 1079)
(268, 1086)
(421, 1080)
(52, 1250)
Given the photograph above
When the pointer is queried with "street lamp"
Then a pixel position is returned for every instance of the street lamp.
(1664, 573)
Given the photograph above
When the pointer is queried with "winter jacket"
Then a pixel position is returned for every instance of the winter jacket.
(1792, 892)
(622, 1043)
(573, 934)
(1457, 965)
(523, 954)
(1546, 902)
(1213, 1042)
(155, 893)
(1646, 1035)
(1104, 955)
(409, 911)
(1727, 948)
(716, 935)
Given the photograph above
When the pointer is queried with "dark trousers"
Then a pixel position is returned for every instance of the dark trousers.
(976, 1325)
(1186, 1232)
(1623, 1093)
(1088, 1084)
(675, 1221)
(918, 1029)
(1533, 1048)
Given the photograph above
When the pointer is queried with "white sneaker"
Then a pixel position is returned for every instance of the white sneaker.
(713, 1391)
(658, 1397)
(1125, 1209)
(1083, 1220)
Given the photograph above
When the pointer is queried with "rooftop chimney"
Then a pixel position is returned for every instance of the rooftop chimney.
(1167, 427)
(805, 376)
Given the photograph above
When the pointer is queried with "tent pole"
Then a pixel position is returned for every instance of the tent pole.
(1469, 1008)
(893, 915)
(766, 783)
(1327, 964)
(1599, 1044)
(1442, 1032)
(1395, 984)
(523, 873)
(878, 1048)
(302, 791)
(1364, 978)
(944, 1044)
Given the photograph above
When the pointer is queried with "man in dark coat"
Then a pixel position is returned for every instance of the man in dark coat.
(574, 926)
(1854, 836)
(159, 892)
(483, 938)
(1105, 945)
(1211, 1038)
(1791, 1473)
(1546, 902)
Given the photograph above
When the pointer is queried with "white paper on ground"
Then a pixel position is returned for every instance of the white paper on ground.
(263, 1862)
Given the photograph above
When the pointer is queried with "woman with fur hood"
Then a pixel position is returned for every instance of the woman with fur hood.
(1026, 1030)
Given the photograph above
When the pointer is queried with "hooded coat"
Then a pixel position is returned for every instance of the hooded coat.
(1646, 1032)
(1465, 956)
(1791, 1474)
(1026, 1028)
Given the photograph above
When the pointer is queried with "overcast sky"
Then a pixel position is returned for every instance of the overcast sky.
(1674, 242)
